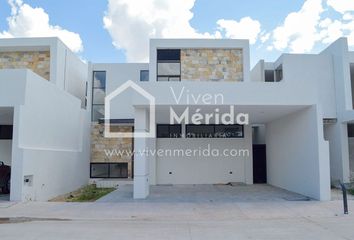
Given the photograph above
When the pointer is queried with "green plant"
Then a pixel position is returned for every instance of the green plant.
(351, 191)
(89, 193)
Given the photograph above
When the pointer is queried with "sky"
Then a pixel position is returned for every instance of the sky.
(119, 30)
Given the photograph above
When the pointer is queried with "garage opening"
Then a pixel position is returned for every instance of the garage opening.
(259, 154)
(6, 136)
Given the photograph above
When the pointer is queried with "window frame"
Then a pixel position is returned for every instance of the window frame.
(214, 130)
(168, 61)
(109, 169)
(93, 88)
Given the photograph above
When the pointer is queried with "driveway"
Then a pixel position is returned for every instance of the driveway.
(4, 197)
(206, 193)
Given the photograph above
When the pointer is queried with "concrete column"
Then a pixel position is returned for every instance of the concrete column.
(141, 163)
(249, 160)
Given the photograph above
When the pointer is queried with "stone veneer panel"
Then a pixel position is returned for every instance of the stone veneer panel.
(212, 65)
(99, 143)
(37, 61)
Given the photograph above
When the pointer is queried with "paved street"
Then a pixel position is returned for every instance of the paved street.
(158, 220)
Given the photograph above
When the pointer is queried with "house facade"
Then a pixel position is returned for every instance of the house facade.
(194, 114)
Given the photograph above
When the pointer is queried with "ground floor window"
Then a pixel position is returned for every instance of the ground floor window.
(214, 131)
(109, 170)
(169, 131)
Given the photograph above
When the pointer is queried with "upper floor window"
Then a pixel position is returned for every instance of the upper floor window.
(144, 75)
(269, 75)
(279, 73)
(168, 65)
(98, 95)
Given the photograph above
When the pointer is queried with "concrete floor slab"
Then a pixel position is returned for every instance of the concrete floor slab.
(205, 193)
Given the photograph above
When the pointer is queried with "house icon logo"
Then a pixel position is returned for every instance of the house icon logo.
(151, 133)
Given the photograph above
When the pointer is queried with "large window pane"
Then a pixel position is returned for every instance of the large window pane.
(175, 131)
(99, 170)
(98, 96)
(200, 131)
(162, 131)
(169, 68)
(228, 131)
(118, 170)
(169, 131)
(99, 79)
(168, 54)
(97, 112)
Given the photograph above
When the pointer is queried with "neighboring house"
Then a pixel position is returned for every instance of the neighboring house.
(42, 104)
(300, 113)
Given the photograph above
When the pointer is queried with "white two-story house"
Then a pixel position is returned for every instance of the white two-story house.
(194, 114)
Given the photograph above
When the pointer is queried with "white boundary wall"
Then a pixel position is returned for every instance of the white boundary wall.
(297, 155)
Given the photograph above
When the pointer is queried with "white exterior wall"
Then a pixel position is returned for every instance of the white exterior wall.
(297, 155)
(67, 71)
(205, 168)
(337, 134)
(116, 75)
(50, 139)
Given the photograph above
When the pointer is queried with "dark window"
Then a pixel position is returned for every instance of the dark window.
(98, 95)
(109, 170)
(144, 75)
(118, 170)
(169, 131)
(168, 54)
(269, 75)
(228, 131)
(350, 130)
(168, 65)
(6, 132)
(99, 170)
(200, 131)
(214, 131)
(279, 73)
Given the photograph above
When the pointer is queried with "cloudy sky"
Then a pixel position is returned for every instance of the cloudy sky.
(118, 30)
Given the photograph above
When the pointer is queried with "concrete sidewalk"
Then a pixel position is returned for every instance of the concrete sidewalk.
(182, 212)
(152, 220)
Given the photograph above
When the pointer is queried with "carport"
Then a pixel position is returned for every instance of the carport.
(297, 156)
